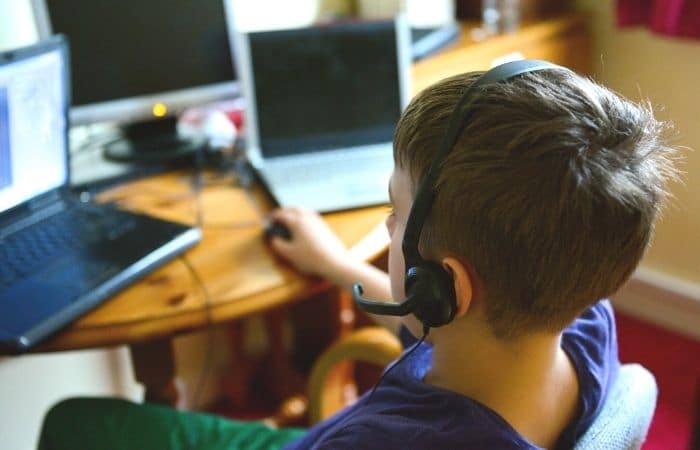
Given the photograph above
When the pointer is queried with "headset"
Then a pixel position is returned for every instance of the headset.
(429, 288)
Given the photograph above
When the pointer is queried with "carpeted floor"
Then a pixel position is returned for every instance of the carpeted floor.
(675, 362)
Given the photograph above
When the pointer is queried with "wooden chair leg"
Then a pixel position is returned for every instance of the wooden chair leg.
(282, 379)
(344, 375)
(319, 322)
(236, 382)
(154, 368)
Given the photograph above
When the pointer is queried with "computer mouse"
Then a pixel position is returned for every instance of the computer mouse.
(274, 228)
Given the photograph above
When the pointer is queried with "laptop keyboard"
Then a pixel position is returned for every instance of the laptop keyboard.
(323, 166)
(72, 229)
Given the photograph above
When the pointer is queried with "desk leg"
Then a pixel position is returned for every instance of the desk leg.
(154, 368)
(318, 323)
(281, 378)
(236, 382)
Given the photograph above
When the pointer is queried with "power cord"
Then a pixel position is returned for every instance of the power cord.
(232, 163)
(209, 326)
(196, 189)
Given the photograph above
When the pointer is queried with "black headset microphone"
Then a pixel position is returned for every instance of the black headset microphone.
(429, 288)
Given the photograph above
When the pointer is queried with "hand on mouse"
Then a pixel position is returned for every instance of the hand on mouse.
(314, 249)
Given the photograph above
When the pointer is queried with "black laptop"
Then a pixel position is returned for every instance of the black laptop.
(59, 256)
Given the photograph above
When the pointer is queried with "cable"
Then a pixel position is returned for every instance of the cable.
(244, 178)
(196, 187)
(406, 354)
(208, 357)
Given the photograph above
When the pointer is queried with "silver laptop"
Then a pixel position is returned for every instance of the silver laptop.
(321, 107)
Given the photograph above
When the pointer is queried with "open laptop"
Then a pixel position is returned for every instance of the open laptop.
(321, 106)
(59, 256)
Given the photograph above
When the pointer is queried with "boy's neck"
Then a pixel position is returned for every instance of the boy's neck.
(528, 381)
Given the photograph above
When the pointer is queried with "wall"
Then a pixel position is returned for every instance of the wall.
(16, 27)
(643, 65)
(640, 65)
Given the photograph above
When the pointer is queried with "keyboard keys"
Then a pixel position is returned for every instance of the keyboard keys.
(72, 229)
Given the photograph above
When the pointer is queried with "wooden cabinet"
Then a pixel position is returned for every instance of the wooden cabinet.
(562, 40)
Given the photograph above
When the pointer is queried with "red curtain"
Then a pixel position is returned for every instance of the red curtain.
(671, 17)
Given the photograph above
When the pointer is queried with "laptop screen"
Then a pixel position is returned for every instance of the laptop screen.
(32, 128)
(325, 87)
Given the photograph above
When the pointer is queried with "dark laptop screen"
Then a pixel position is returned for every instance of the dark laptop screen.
(325, 87)
(122, 49)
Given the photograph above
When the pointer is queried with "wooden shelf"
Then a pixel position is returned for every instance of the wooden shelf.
(563, 40)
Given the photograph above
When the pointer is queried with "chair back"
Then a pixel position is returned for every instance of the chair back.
(626, 415)
(328, 393)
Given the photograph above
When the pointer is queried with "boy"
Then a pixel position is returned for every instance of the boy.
(544, 206)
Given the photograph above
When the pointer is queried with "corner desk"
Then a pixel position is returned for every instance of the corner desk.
(240, 273)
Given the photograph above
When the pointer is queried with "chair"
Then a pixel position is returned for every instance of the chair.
(695, 440)
(626, 415)
(327, 387)
(621, 425)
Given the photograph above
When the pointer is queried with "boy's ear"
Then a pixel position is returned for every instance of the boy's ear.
(463, 284)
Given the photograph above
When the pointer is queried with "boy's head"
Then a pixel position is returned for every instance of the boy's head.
(550, 193)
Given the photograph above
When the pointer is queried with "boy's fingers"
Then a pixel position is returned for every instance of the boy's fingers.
(277, 214)
(285, 216)
(280, 245)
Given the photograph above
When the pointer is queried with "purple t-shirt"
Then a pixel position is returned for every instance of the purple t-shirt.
(406, 413)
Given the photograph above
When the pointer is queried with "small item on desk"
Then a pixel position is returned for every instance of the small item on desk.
(212, 122)
(500, 16)
(426, 41)
(275, 228)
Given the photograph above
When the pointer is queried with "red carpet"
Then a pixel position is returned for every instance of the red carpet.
(675, 362)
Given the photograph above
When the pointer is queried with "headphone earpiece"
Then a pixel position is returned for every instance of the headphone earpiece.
(434, 286)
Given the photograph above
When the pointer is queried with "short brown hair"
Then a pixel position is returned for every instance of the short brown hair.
(550, 193)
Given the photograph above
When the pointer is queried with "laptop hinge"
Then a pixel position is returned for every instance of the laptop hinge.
(45, 201)
(31, 212)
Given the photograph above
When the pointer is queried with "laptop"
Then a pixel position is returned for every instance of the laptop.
(322, 104)
(59, 256)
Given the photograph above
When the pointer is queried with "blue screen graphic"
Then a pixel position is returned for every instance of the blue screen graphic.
(5, 162)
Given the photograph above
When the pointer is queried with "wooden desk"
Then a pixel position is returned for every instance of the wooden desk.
(240, 273)
(562, 40)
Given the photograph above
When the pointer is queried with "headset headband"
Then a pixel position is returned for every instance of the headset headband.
(425, 195)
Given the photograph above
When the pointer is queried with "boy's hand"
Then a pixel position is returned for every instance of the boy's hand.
(313, 248)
